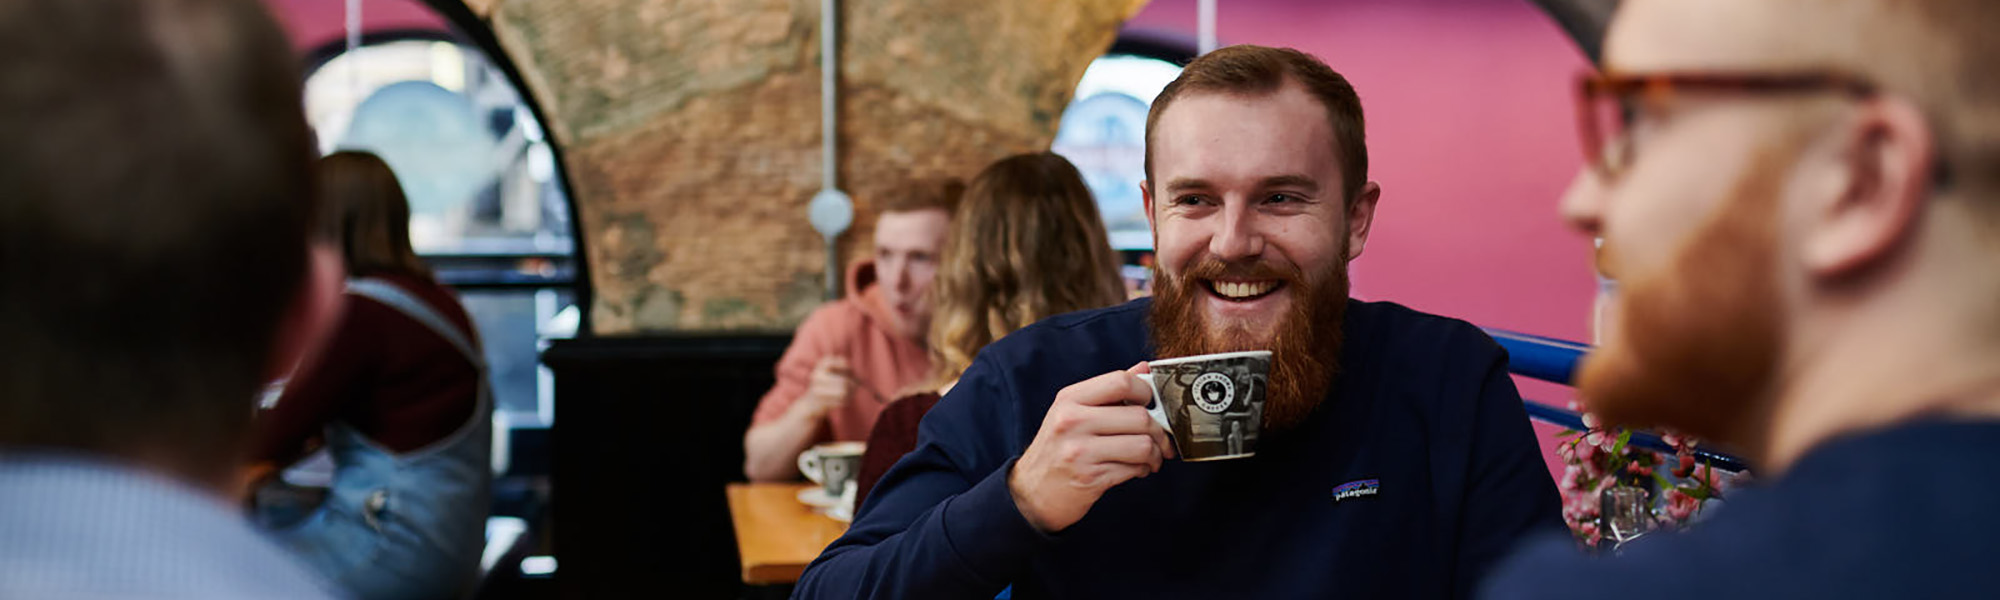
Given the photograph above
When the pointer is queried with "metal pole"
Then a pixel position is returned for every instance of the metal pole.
(829, 17)
(828, 22)
(353, 43)
(1205, 25)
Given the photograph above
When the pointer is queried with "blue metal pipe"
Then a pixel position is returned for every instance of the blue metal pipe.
(1572, 420)
(1544, 358)
(1554, 360)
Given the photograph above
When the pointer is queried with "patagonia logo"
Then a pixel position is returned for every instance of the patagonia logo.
(1356, 489)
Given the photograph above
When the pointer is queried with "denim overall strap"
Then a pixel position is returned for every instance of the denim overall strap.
(387, 293)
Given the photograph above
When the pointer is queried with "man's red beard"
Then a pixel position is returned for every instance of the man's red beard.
(1697, 343)
(1304, 345)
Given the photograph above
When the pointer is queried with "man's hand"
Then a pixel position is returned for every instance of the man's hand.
(1096, 435)
(770, 449)
(829, 387)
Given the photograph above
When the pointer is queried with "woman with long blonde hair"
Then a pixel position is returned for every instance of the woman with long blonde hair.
(1026, 244)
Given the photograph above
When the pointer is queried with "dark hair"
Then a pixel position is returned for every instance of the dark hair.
(1261, 70)
(1027, 244)
(155, 202)
(362, 207)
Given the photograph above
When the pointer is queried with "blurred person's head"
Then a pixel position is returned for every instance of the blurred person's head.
(363, 207)
(1026, 244)
(153, 229)
(908, 235)
(1801, 192)
(1258, 195)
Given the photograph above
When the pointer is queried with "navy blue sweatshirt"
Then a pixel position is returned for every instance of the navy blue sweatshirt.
(1903, 512)
(1422, 413)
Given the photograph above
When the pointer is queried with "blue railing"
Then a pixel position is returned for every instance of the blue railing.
(1553, 360)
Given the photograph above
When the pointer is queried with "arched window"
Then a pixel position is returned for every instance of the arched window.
(488, 208)
(1104, 132)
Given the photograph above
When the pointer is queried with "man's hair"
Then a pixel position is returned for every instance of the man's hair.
(155, 202)
(1259, 71)
(926, 194)
(362, 207)
(1027, 244)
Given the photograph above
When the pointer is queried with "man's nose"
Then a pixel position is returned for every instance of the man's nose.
(897, 275)
(1583, 204)
(1238, 236)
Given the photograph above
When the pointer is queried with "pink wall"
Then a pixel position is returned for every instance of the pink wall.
(1471, 134)
(315, 23)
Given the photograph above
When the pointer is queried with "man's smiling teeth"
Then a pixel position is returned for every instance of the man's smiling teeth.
(1244, 290)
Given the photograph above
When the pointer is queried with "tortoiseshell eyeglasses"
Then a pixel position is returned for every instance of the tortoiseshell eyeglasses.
(1607, 104)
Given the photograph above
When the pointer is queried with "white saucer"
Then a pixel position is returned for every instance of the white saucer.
(840, 513)
(817, 497)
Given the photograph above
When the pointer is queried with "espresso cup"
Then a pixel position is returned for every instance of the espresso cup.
(1212, 404)
(832, 465)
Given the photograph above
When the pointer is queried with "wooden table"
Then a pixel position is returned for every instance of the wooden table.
(776, 535)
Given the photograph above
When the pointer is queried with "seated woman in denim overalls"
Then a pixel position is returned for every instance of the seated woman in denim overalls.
(400, 395)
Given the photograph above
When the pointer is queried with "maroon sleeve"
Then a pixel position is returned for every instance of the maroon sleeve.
(895, 435)
(314, 395)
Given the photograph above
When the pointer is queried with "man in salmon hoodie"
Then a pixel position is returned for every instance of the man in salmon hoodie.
(854, 355)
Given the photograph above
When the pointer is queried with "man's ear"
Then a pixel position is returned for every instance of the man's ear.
(1146, 200)
(1361, 217)
(309, 319)
(1885, 159)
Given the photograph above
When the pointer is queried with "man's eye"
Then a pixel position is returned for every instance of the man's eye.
(1191, 200)
(1280, 199)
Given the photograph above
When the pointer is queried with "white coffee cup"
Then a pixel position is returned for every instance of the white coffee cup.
(1212, 404)
(832, 465)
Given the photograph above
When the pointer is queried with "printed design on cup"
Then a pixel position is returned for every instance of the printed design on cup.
(1213, 404)
(832, 465)
(1213, 392)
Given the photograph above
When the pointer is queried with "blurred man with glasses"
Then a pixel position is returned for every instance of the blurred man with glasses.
(1800, 202)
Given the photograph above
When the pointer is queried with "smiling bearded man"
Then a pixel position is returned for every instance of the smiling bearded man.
(1396, 460)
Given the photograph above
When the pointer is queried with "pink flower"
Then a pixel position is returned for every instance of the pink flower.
(1638, 469)
(1591, 536)
(1582, 506)
(1587, 456)
(1566, 452)
(1686, 467)
(1596, 438)
(1590, 421)
(1681, 506)
(1707, 476)
(1571, 475)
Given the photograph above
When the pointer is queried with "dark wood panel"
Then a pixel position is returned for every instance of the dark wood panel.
(648, 431)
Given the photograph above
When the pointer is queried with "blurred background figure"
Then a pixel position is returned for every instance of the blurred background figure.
(1027, 244)
(158, 273)
(400, 395)
(852, 356)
